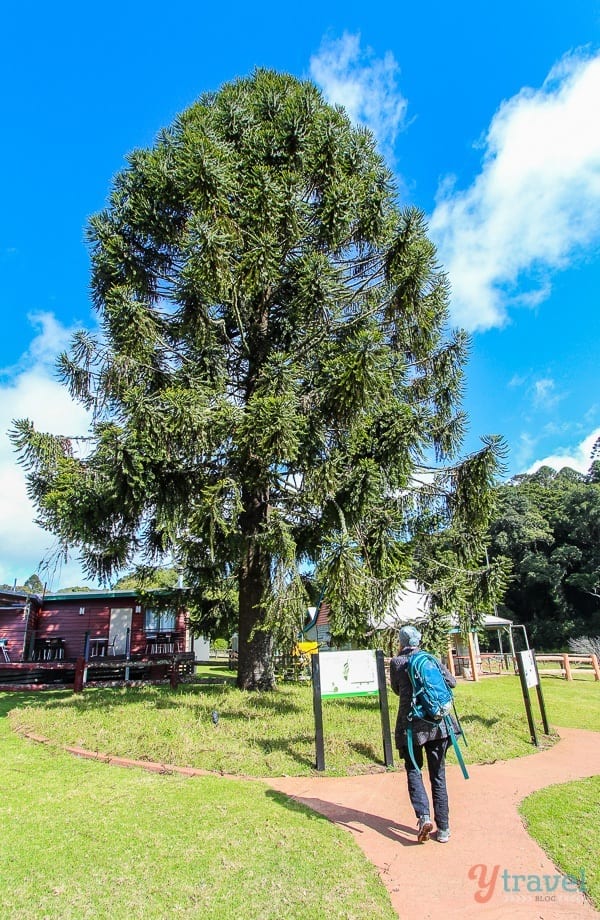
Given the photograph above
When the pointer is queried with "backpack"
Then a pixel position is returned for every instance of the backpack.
(432, 701)
(432, 697)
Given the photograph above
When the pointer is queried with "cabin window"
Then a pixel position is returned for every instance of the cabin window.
(159, 620)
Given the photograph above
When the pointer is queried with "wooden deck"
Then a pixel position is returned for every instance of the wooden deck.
(38, 675)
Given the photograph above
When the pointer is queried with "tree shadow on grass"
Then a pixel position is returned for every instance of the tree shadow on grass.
(368, 752)
(160, 697)
(15, 699)
(469, 718)
(350, 818)
(286, 746)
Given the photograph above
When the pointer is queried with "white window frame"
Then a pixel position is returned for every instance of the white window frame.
(158, 621)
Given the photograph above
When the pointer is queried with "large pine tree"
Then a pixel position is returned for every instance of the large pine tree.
(272, 371)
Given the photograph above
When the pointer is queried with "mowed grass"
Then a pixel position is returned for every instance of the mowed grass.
(272, 734)
(85, 839)
(565, 819)
(81, 839)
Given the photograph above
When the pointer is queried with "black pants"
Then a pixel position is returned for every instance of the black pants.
(435, 752)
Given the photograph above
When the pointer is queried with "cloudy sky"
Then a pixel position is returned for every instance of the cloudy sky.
(488, 114)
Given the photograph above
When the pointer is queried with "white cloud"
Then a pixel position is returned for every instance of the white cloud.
(524, 449)
(535, 205)
(545, 395)
(364, 85)
(30, 391)
(577, 458)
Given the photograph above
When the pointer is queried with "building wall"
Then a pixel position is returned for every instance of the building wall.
(69, 620)
(13, 627)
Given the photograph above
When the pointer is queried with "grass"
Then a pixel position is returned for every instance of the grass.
(564, 819)
(267, 734)
(85, 840)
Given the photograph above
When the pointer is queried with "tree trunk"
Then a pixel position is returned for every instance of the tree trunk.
(255, 646)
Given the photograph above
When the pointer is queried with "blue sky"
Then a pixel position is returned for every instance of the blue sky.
(488, 114)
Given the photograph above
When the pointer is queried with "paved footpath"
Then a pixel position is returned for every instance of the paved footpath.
(489, 844)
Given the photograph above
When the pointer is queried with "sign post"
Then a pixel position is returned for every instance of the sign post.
(540, 696)
(346, 674)
(318, 711)
(530, 677)
(388, 756)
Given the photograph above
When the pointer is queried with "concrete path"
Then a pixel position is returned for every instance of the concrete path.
(475, 875)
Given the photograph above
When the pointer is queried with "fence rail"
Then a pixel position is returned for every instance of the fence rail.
(565, 668)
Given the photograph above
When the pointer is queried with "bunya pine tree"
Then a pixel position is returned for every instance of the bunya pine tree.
(274, 388)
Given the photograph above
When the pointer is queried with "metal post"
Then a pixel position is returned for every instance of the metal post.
(450, 656)
(127, 651)
(527, 700)
(388, 756)
(541, 699)
(318, 711)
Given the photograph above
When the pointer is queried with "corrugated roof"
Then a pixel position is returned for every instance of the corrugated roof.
(105, 595)
(411, 605)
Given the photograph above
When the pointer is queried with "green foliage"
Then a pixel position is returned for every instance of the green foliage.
(75, 589)
(548, 526)
(33, 585)
(273, 370)
(147, 577)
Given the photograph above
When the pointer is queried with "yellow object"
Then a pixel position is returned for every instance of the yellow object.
(306, 648)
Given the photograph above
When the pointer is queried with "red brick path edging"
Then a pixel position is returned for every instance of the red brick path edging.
(148, 765)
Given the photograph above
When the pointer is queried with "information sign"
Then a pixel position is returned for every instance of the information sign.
(529, 677)
(351, 673)
(529, 668)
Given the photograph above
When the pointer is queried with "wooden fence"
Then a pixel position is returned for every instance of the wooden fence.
(566, 669)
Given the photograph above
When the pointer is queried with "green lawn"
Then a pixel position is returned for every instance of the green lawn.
(266, 734)
(84, 840)
(565, 819)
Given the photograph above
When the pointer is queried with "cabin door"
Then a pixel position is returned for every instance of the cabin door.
(120, 622)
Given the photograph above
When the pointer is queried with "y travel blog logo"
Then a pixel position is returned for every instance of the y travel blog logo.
(491, 879)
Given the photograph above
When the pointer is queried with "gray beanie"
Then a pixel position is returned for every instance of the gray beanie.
(409, 637)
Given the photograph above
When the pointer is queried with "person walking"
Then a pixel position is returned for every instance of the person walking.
(429, 737)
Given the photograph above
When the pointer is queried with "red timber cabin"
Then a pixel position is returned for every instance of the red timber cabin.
(50, 633)
(15, 613)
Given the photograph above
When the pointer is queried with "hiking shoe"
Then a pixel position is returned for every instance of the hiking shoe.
(425, 828)
(443, 834)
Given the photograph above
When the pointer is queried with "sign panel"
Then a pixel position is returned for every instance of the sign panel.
(529, 669)
(348, 673)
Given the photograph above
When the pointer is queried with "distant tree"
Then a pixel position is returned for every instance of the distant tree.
(75, 589)
(585, 645)
(147, 578)
(548, 525)
(273, 373)
(594, 470)
(34, 584)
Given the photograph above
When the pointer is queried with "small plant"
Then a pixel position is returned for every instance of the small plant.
(585, 645)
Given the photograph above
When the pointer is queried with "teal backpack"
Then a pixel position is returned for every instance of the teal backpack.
(432, 701)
